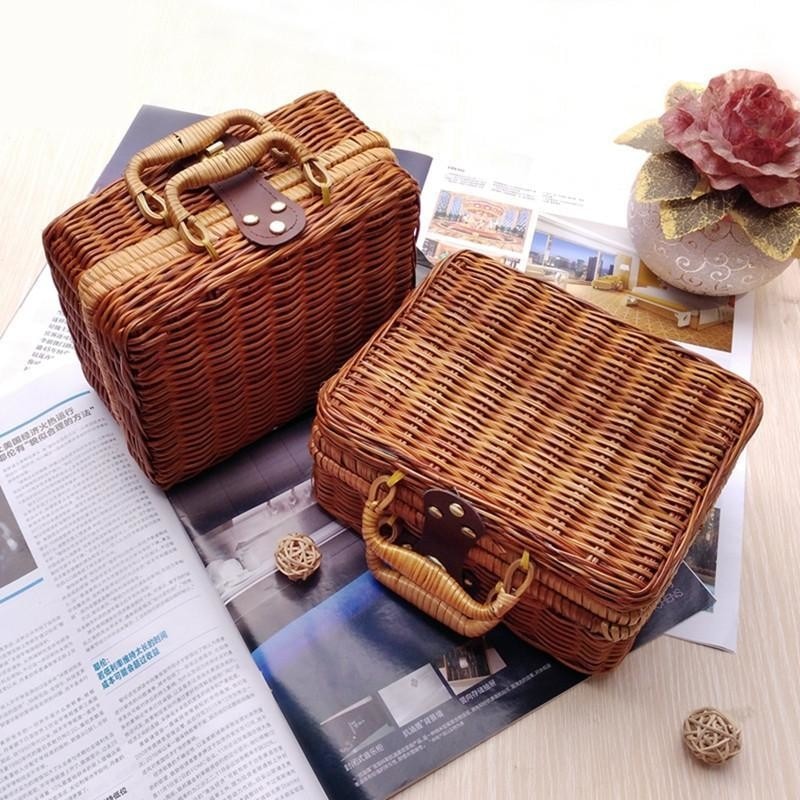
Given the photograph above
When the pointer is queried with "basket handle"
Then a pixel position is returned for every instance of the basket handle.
(424, 583)
(181, 144)
(232, 162)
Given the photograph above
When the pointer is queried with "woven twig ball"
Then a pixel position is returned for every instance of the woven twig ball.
(297, 557)
(711, 736)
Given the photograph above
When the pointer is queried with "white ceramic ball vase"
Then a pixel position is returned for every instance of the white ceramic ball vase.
(717, 260)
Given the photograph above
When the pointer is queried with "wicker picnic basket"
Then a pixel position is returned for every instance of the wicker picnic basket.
(205, 317)
(589, 452)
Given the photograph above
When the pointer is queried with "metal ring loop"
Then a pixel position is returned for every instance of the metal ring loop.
(523, 565)
(157, 215)
(196, 235)
(318, 177)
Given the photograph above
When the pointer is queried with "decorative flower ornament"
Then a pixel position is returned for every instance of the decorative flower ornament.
(729, 150)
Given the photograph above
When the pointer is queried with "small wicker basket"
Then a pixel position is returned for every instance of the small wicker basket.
(202, 324)
(591, 451)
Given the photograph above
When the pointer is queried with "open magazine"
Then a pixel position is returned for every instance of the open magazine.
(148, 647)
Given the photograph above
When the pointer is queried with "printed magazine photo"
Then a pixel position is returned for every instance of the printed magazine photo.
(480, 221)
(15, 556)
(598, 263)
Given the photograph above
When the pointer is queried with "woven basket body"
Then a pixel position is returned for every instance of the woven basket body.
(595, 448)
(198, 355)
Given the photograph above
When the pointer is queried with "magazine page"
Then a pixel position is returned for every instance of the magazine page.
(122, 674)
(38, 331)
(377, 694)
(575, 238)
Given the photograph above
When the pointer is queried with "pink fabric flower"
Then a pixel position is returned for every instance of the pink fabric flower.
(741, 131)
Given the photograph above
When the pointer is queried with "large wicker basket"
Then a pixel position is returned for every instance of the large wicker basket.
(591, 451)
(201, 323)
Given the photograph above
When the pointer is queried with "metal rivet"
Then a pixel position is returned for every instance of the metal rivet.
(434, 512)
(278, 206)
(468, 532)
(250, 219)
(456, 510)
(277, 226)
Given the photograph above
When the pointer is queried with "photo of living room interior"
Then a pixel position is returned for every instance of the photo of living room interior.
(598, 263)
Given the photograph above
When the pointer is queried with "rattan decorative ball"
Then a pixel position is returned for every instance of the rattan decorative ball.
(297, 557)
(711, 737)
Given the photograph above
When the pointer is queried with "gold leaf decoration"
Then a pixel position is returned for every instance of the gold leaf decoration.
(703, 187)
(647, 135)
(679, 90)
(774, 231)
(679, 217)
(666, 176)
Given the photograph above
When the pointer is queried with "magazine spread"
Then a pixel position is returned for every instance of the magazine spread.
(124, 675)
(183, 657)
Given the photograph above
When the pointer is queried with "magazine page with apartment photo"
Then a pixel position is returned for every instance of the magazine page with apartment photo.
(121, 673)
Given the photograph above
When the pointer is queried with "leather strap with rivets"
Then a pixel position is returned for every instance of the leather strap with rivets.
(452, 526)
(264, 215)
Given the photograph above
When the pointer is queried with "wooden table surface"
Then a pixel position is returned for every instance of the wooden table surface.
(552, 79)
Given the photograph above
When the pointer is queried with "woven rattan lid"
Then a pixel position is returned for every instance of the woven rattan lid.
(595, 446)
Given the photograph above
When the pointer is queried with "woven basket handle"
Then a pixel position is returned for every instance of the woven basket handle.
(182, 144)
(424, 583)
(228, 164)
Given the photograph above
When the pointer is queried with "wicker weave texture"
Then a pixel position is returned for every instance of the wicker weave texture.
(196, 357)
(594, 446)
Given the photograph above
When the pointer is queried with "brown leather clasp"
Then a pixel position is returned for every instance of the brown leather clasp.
(264, 215)
(452, 526)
